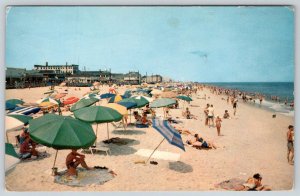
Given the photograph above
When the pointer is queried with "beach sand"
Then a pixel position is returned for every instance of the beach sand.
(252, 142)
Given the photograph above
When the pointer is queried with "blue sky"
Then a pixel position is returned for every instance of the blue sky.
(205, 44)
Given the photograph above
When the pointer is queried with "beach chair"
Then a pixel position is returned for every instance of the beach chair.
(99, 147)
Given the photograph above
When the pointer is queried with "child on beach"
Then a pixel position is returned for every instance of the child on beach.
(218, 124)
(226, 115)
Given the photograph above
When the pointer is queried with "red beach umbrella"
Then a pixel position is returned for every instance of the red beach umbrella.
(70, 100)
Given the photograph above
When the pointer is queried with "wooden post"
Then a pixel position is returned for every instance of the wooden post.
(155, 150)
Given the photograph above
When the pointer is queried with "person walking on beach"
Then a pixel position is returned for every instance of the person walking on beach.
(218, 124)
(290, 144)
(234, 106)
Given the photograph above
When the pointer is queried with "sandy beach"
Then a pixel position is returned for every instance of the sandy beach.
(252, 142)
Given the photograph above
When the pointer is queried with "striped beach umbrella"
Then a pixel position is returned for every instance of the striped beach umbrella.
(168, 132)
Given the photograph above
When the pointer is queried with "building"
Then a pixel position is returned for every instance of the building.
(59, 69)
(153, 79)
(22, 78)
(84, 78)
(132, 78)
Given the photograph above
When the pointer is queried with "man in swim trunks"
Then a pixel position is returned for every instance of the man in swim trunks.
(73, 160)
(290, 144)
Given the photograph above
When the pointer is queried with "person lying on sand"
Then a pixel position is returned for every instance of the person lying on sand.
(73, 160)
(181, 131)
(253, 184)
(199, 143)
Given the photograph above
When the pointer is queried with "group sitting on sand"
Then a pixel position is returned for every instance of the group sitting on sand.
(141, 121)
(188, 115)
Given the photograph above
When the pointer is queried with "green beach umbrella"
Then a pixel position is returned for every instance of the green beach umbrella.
(10, 150)
(185, 98)
(11, 157)
(83, 103)
(98, 114)
(61, 132)
(162, 102)
(15, 101)
(140, 101)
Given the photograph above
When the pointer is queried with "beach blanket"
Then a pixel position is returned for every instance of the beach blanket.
(230, 184)
(159, 155)
(84, 177)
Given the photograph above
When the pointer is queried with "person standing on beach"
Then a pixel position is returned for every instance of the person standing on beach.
(206, 114)
(211, 116)
(234, 106)
(218, 124)
(290, 144)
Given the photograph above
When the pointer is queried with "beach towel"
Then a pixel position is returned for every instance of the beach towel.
(84, 177)
(159, 155)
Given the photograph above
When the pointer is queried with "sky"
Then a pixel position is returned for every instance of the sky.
(200, 43)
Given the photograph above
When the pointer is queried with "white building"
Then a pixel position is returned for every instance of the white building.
(59, 69)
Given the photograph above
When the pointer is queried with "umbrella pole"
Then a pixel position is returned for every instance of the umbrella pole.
(107, 131)
(96, 133)
(130, 116)
(6, 137)
(55, 158)
(155, 150)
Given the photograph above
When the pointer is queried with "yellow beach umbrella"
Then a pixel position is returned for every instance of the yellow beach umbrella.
(47, 104)
(121, 109)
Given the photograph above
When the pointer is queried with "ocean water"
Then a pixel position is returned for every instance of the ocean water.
(284, 90)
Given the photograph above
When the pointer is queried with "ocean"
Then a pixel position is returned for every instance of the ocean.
(284, 90)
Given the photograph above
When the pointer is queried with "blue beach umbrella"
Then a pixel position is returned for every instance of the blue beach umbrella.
(168, 132)
(107, 95)
(9, 106)
(128, 104)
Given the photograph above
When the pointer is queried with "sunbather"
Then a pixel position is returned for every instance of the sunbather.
(199, 143)
(73, 160)
(253, 184)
